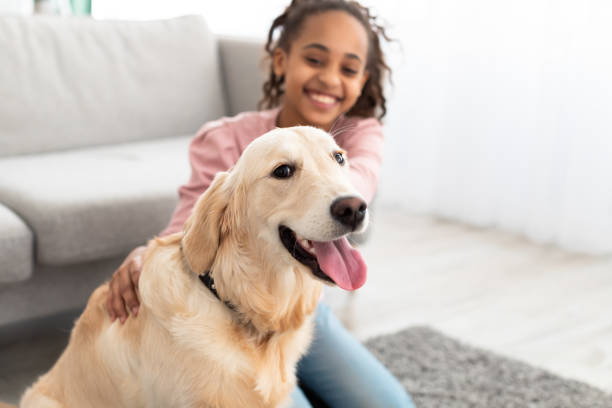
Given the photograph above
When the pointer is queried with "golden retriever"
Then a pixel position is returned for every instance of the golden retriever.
(268, 233)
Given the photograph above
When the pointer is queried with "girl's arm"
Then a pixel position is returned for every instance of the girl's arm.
(364, 146)
(211, 151)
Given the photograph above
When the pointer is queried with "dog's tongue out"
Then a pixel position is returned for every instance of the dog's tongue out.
(342, 263)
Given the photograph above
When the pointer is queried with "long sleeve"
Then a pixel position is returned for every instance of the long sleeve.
(212, 150)
(363, 141)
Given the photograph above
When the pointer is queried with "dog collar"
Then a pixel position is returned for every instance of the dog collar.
(209, 282)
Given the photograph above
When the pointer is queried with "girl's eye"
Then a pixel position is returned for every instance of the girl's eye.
(339, 158)
(313, 61)
(350, 71)
(283, 171)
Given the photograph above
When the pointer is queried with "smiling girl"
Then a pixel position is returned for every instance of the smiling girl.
(326, 71)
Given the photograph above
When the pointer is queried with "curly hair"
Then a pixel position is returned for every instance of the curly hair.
(372, 101)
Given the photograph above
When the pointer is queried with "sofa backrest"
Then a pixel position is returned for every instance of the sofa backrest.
(74, 82)
(245, 69)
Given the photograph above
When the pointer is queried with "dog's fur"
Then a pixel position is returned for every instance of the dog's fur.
(187, 348)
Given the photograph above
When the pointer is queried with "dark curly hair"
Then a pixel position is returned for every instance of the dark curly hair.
(372, 101)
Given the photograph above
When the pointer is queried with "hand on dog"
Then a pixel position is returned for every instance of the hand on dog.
(123, 294)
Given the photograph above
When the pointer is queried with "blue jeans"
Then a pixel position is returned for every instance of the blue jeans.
(343, 373)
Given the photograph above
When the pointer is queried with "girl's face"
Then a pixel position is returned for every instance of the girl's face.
(324, 70)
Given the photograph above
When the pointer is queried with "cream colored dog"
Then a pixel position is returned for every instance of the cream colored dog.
(268, 233)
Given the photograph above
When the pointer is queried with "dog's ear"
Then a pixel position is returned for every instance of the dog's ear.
(201, 232)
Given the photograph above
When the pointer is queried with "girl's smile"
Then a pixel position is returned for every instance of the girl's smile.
(322, 99)
(324, 70)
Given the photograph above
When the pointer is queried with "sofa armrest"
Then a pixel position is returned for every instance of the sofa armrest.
(244, 72)
(16, 247)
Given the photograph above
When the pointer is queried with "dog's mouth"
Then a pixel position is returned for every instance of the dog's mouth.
(332, 261)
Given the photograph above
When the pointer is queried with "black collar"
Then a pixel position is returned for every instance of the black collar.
(209, 282)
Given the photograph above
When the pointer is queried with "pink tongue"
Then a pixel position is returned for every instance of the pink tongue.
(342, 263)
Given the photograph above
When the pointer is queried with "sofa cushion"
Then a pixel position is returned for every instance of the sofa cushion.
(77, 82)
(98, 202)
(16, 246)
(243, 72)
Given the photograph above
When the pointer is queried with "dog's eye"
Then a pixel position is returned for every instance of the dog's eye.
(283, 171)
(339, 158)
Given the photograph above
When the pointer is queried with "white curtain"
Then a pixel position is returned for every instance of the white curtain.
(501, 115)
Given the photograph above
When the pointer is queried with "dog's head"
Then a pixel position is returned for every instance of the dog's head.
(288, 201)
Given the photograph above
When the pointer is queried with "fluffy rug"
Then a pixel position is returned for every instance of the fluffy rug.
(441, 372)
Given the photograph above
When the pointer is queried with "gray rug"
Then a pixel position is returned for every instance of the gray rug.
(440, 372)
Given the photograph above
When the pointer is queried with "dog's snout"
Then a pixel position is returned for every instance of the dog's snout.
(350, 211)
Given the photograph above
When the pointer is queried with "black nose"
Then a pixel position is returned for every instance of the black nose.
(350, 211)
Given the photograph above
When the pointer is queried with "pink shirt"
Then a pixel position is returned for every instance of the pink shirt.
(218, 145)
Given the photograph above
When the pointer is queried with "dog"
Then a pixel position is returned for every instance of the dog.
(227, 305)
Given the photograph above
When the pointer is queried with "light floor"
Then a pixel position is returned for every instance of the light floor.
(536, 303)
(547, 307)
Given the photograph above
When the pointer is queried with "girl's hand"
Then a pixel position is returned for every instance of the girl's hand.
(123, 293)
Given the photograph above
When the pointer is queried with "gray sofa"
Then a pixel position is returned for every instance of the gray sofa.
(95, 123)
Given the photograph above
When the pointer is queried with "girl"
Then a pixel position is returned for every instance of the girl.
(326, 71)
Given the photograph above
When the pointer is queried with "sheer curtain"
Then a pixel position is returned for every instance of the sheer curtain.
(501, 115)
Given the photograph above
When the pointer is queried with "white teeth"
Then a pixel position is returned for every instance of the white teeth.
(322, 98)
(306, 245)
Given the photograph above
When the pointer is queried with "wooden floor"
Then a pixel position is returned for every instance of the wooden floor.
(536, 303)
